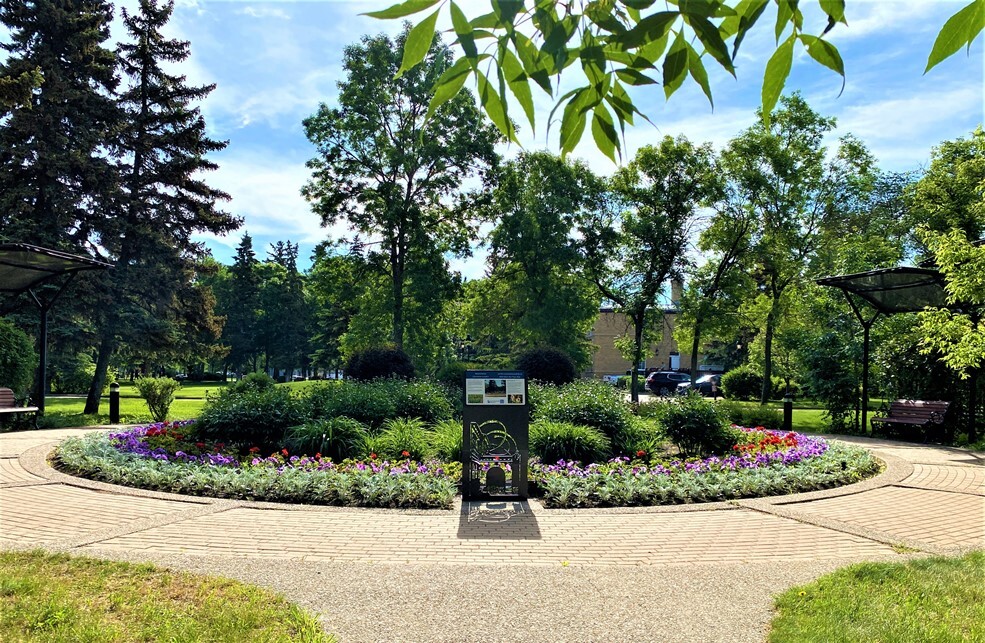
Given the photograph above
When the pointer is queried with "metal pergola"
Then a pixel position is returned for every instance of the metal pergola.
(889, 291)
(23, 268)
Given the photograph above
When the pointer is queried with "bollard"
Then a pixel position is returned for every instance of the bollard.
(114, 403)
(788, 412)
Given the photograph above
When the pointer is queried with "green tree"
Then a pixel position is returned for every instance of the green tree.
(539, 295)
(632, 250)
(796, 193)
(238, 294)
(56, 179)
(283, 328)
(163, 200)
(386, 170)
(335, 285)
(620, 43)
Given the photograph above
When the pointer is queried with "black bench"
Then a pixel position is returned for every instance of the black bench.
(8, 406)
(911, 418)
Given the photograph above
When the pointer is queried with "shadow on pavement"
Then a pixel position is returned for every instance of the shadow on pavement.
(498, 520)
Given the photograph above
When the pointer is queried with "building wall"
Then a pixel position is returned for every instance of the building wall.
(607, 360)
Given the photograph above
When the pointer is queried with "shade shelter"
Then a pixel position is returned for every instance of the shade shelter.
(889, 291)
(24, 268)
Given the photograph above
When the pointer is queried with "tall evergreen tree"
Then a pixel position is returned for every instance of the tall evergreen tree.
(239, 302)
(55, 174)
(163, 200)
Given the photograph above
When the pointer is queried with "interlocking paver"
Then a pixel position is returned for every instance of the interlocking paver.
(934, 517)
(969, 479)
(46, 513)
(12, 471)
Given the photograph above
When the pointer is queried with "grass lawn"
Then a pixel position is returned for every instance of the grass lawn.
(931, 599)
(55, 597)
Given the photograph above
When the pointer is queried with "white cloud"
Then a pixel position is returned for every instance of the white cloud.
(264, 12)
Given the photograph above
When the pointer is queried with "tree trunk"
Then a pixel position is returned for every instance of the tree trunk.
(695, 342)
(396, 265)
(638, 321)
(106, 347)
(768, 355)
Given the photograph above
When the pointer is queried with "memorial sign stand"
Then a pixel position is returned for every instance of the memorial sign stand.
(496, 427)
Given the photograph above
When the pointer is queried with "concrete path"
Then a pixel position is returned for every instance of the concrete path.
(512, 571)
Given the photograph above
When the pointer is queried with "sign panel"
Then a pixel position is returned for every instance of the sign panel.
(495, 434)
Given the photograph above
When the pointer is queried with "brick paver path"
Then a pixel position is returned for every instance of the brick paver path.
(931, 499)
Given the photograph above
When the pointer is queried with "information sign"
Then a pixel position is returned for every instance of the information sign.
(495, 434)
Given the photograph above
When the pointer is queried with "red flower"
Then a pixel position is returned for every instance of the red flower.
(317, 456)
(200, 445)
(283, 452)
(254, 449)
(640, 453)
(372, 456)
(406, 454)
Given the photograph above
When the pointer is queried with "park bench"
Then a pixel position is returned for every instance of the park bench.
(8, 406)
(914, 418)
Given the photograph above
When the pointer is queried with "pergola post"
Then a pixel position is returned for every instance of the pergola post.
(866, 326)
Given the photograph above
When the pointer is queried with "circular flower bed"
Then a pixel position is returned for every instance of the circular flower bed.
(166, 457)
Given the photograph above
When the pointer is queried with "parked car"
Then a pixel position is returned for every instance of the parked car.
(702, 385)
(665, 382)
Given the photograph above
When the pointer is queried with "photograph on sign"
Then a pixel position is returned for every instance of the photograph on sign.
(494, 387)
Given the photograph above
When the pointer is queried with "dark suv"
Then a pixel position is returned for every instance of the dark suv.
(703, 385)
(665, 382)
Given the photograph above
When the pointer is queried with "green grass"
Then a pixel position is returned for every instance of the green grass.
(55, 597)
(931, 599)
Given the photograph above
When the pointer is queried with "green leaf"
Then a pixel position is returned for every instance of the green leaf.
(593, 63)
(402, 9)
(675, 65)
(633, 77)
(604, 132)
(750, 12)
(621, 103)
(448, 85)
(784, 14)
(517, 80)
(961, 29)
(486, 21)
(573, 121)
(825, 53)
(649, 29)
(777, 70)
(704, 9)
(506, 10)
(464, 32)
(698, 73)
(708, 34)
(494, 107)
(418, 42)
(834, 9)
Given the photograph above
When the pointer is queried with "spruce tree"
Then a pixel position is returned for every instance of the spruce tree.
(164, 201)
(240, 305)
(56, 177)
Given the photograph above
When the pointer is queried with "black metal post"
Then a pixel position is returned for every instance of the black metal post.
(788, 412)
(42, 360)
(865, 376)
(114, 403)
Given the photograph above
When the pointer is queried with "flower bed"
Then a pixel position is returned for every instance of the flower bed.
(163, 457)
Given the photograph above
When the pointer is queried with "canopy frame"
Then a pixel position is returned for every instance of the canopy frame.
(24, 268)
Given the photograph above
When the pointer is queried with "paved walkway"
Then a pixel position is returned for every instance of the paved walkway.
(512, 571)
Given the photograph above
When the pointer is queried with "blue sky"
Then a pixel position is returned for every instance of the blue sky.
(274, 62)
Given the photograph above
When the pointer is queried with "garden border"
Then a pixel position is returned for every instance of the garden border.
(36, 462)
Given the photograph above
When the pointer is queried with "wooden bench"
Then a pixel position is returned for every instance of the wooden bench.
(914, 418)
(8, 406)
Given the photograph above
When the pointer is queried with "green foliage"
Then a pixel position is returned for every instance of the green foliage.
(888, 602)
(337, 438)
(402, 438)
(829, 372)
(18, 361)
(452, 375)
(696, 426)
(742, 383)
(548, 365)
(446, 440)
(553, 441)
(251, 418)
(379, 363)
(422, 399)
(586, 403)
(367, 402)
(158, 393)
(750, 416)
(258, 381)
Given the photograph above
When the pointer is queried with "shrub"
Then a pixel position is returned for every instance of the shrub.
(696, 426)
(378, 363)
(252, 382)
(418, 399)
(74, 375)
(446, 440)
(158, 393)
(588, 403)
(452, 375)
(18, 361)
(548, 365)
(743, 383)
(554, 441)
(367, 402)
(252, 417)
(402, 436)
(336, 438)
(751, 416)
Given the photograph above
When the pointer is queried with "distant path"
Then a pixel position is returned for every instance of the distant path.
(512, 571)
